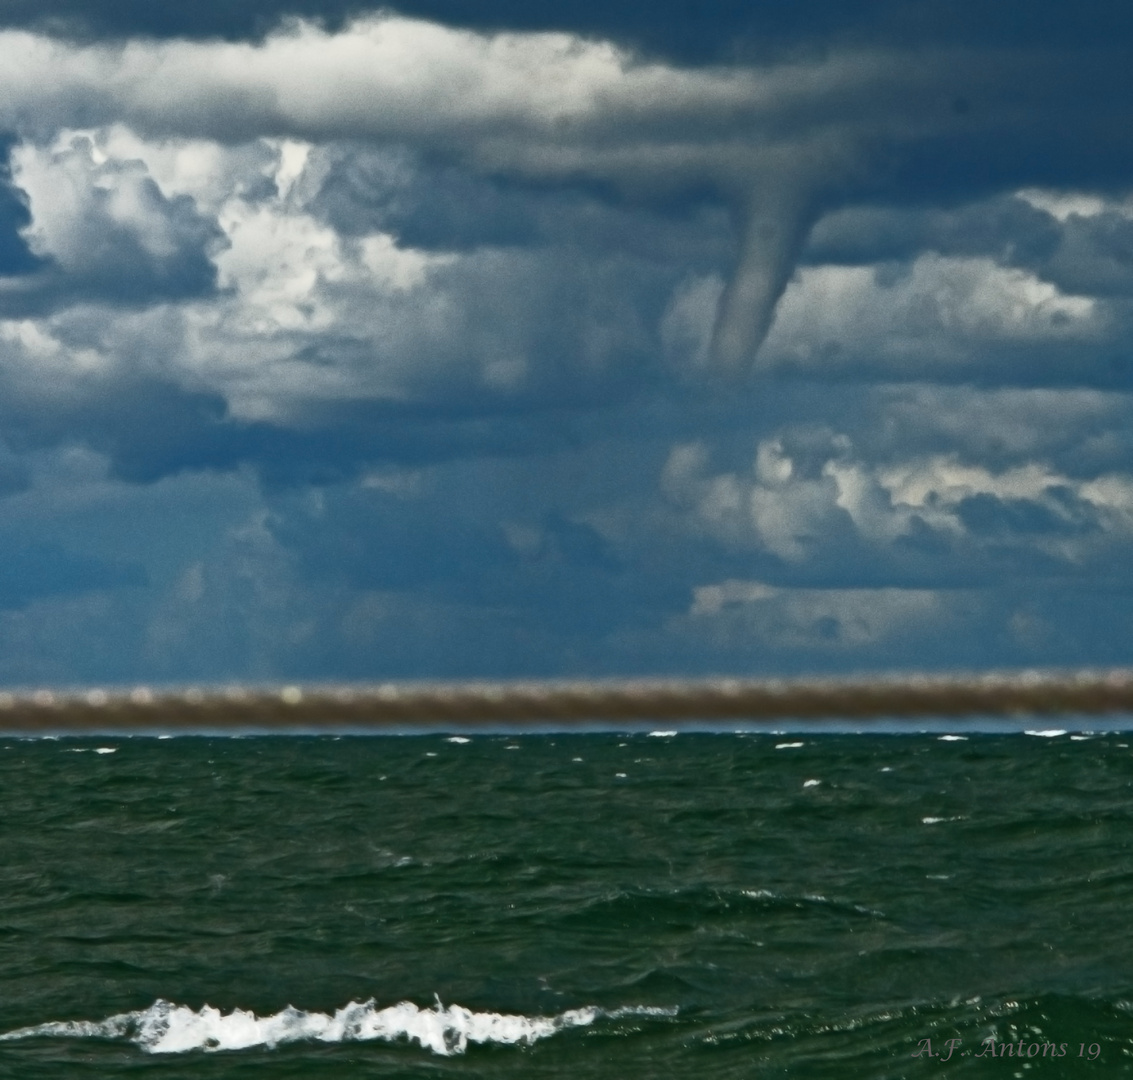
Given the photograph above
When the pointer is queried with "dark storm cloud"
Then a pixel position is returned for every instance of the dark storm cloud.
(1005, 227)
(437, 205)
(780, 141)
(1062, 514)
(1084, 255)
(150, 428)
(146, 428)
(683, 29)
(535, 568)
(371, 540)
(1080, 432)
(1094, 256)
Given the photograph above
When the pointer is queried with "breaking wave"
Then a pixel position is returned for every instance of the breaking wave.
(167, 1028)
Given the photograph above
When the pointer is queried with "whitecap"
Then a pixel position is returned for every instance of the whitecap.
(106, 749)
(811, 783)
(166, 1028)
(953, 738)
(788, 745)
(1048, 733)
(662, 734)
(458, 739)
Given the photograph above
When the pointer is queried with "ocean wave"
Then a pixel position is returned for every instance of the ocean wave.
(167, 1028)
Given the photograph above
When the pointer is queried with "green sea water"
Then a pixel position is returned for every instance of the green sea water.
(567, 906)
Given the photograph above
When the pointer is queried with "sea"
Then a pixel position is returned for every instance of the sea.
(654, 904)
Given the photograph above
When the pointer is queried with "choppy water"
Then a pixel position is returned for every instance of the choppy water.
(567, 906)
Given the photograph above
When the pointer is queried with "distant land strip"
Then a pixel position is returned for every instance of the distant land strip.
(567, 704)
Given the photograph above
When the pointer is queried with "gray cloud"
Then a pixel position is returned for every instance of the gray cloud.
(779, 140)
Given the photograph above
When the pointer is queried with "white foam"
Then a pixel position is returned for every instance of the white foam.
(1049, 733)
(811, 783)
(788, 745)
(953, 738)
(166, 1028)
(662, 735)
(460, 740)
(106, 749)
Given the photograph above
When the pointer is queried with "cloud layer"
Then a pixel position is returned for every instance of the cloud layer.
(778, 142)
(422, 349)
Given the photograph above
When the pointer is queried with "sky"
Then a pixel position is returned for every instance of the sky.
(498, 340)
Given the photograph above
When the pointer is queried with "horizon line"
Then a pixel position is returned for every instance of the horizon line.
(895, 698)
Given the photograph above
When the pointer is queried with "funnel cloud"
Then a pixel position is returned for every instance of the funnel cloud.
(774, 221)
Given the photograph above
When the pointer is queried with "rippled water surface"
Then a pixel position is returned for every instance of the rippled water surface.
(580, 906)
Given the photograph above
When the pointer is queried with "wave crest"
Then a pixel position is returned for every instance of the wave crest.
(167, 1028)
